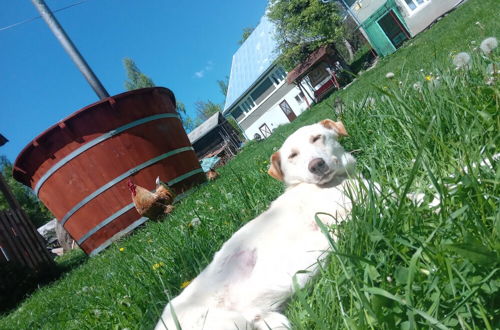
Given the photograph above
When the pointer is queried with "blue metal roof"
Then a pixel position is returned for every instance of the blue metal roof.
(251, 60)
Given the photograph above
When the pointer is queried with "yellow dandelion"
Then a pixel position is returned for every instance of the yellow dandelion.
(428, 77)
(185, 284)
(122, 249)
(158, 265)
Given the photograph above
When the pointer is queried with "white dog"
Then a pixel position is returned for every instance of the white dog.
(251, 277)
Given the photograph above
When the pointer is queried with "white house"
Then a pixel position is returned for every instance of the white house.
(258, 96)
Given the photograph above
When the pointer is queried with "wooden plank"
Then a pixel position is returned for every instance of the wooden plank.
(20, 239)
(2, 257)
(4, 254)
(37, 249)
(38, 241)
(12, 248)
(28, 237)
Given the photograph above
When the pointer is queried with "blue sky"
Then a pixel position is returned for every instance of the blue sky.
(183, 45)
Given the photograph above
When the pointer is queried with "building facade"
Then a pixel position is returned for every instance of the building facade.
(388, 23)
(258, 97)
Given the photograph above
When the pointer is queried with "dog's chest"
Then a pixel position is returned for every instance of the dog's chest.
(310, 202)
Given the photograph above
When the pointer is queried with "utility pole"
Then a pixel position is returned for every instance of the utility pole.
(70, 48)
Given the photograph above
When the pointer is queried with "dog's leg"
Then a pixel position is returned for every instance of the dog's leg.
(272, 320)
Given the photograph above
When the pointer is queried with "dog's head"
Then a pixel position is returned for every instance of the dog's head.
(312, 154)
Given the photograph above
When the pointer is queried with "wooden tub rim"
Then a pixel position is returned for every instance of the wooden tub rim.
(75, 153)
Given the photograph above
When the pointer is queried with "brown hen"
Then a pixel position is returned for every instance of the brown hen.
(149, 204)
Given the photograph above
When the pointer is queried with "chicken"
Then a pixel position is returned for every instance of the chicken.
(149, 204)
(212, 175)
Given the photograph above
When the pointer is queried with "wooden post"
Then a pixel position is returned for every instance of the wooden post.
(302, 88)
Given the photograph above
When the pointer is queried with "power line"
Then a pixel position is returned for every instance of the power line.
(37, 17)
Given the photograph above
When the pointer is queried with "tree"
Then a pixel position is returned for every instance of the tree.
(304, 26)
(136, 79)
(246, 33)
(223, 84)
(190, 123)
(187, 122)
(181, 108)
(36, 211)
(206, 109)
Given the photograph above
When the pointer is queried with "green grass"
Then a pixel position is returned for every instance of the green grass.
(396, 264)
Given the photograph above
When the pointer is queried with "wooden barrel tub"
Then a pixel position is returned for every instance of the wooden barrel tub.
(79, 167)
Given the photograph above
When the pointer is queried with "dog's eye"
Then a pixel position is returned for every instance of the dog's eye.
(316, 138)
(293, 155)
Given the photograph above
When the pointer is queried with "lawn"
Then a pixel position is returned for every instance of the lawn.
(397, 264)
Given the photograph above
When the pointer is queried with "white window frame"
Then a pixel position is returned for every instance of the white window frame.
(248, 104)
(300, 98)
(418, 6)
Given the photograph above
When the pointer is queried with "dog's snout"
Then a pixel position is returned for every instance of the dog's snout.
(318, 166)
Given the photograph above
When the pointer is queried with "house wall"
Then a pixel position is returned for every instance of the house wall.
(269, 111)
(365, 8)
(422, 17)
(368, 12)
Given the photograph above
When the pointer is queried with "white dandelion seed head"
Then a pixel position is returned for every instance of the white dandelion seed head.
(489, 69)
(389, 75)
(488, 45)
(425, 271)
(370, 101)
(195, 222)
(492, 69)
(417, 86)
(462, 60)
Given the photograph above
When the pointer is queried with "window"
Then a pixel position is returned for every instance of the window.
(237, 113)
(278, 75)
(264, 89)
(414, 4)
(318, 74)
(247, 104)
(299, 97)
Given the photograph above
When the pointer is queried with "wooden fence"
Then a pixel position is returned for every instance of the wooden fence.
(19, 240)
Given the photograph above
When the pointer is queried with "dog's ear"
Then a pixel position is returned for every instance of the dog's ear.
(275, 168)
(338, 126)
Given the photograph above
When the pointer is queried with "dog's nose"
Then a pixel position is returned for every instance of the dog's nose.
(318, 166)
